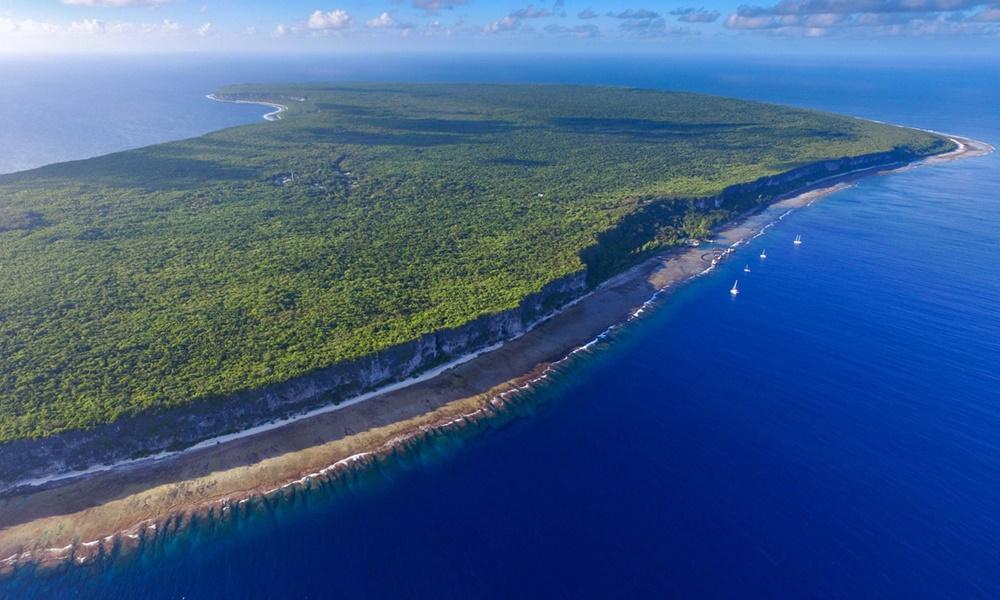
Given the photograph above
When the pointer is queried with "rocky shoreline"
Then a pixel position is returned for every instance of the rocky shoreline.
(99, 516)
(159, 434)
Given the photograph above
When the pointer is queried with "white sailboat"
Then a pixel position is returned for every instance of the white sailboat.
(798, 240)
(763, 253)
(735, 289)
(746, 269)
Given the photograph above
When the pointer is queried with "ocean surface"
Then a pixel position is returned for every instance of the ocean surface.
(833, 431)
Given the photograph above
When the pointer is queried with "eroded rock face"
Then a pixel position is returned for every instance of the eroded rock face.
(171, 429)
(814, 172)
(157, 431)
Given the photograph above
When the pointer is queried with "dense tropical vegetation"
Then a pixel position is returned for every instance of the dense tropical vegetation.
(367, 216)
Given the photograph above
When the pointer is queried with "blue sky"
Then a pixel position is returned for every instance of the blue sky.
(678, 26)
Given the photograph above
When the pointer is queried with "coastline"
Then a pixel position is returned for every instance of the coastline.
(50, 525)
(274, 115)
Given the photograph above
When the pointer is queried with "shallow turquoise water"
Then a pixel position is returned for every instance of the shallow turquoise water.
(833, 431)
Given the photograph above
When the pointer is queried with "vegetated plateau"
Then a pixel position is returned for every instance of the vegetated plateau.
(368, 216)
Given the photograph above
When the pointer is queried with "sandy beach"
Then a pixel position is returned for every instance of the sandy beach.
(82, 517)
(274, 115)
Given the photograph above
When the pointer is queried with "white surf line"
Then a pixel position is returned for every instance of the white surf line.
(35, 482)
(424, 376)
(962, 147)
(498, 399)
(253, 430)
(134, 462)
(225, 502)
(271, 116)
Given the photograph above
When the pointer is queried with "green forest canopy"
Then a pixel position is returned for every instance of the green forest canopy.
(367, 216)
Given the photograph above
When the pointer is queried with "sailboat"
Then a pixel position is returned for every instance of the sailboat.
(735, 290)
(763, 253)
(798, 240)
(746, 269)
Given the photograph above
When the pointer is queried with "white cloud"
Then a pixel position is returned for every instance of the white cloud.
(434, 6)
(9, 25)
(382, 21)
(119, 27)
(813, 7)
(165, 26)
(630, 14)
(206, 30)
(577, 31)
(867, 18)
(90, 26)
(695, 15)
(335, 19)
(507, 23)
(96, 26)
(386, 21)
(437, 28)
(988, 15)
(531, 13)
(280, 31)
(513, 21)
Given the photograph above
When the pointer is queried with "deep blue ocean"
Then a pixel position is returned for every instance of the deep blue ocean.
(834, 431)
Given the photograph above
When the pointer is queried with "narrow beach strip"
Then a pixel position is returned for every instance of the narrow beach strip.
(280, 454)
(274, 115)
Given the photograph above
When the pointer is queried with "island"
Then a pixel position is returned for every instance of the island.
(190, 325)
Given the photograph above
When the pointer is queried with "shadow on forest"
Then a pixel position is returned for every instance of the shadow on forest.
(347, 109)
(342, 136)
(643, 129)
(458, 126)
(507, 161)
(150, 170)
